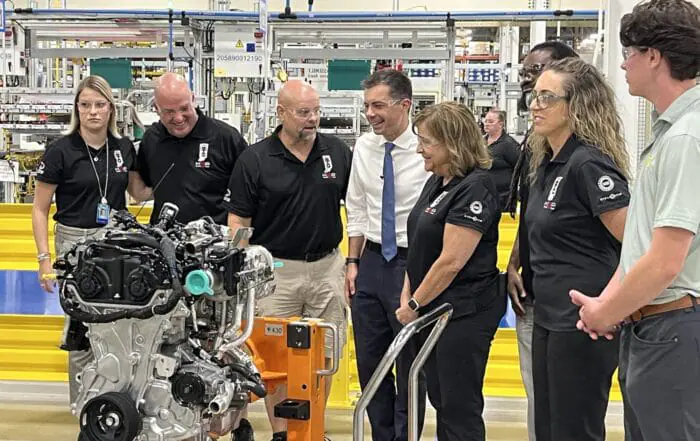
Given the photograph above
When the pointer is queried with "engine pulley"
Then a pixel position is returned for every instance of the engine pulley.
(110, 417)
(188, 389)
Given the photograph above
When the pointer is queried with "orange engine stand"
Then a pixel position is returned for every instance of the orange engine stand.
(291, 351)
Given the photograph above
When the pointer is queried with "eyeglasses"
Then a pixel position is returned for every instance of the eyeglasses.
(627, 52)
(544, 99)
(306, 113)
(380, 105)
(532, 70)
(100, 106)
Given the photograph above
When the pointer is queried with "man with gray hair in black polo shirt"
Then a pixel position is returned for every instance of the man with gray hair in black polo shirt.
(288, 187)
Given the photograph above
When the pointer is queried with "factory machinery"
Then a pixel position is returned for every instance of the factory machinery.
(237, 61)
(169, 313)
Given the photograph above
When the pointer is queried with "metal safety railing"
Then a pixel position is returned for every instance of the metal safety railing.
(441, 315)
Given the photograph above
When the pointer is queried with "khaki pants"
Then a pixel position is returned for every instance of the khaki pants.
(65, 237)
(310, 289)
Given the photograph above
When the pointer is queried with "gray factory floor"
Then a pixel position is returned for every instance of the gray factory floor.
(36, 412)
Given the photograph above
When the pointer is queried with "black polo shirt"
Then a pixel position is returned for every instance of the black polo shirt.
(67, 164)
(202, 163)
(294, 205)
(570, 248)
(472, 202)
(504, 153)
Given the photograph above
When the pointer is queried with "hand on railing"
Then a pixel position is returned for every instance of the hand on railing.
(405, 314)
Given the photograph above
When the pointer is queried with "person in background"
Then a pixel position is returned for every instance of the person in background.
(657, 285)
(385, 181)
(88, 171)
(452, 251)
(288, 187)
(186, 158)
(504, 152)
(575, 222)
(519, 273)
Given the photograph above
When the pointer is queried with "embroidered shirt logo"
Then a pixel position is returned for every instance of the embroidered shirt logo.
(606, 184)
(119, 159)
(476, 207)
(549, 203)
(328, 172)
(202, 161)
(432, 208)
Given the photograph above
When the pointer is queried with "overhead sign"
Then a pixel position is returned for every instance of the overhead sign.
(237, 54)
(311, 71)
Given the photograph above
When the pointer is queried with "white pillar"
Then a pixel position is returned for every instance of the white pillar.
(509, 53)
(538, 29)
(632, 110)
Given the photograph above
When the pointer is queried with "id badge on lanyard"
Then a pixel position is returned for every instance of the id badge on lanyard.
(102, 215)
(102, 212)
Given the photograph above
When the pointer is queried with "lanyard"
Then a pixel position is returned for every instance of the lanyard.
(103, 196)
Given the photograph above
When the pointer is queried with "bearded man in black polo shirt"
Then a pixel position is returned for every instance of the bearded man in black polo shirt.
(288, 187)
(186, 157)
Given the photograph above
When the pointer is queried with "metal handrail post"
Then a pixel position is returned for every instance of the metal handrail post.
(415, 370)
(358, 422)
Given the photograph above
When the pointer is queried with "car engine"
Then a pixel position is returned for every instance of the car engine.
(167, 309)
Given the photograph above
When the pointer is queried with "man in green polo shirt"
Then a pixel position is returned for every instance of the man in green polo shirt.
(654, 295)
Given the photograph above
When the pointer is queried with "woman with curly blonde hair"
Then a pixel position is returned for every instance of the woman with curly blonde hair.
(576, 216)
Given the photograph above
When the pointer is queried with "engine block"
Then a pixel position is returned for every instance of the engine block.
(163, 306)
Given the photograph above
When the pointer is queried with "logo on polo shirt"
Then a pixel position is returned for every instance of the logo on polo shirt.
(227, 196)
(42, 167)
(605, 183)
(327, 167)
(549, 204)
(476, 207)
(203, 156)
(432, 208)
(120, 168)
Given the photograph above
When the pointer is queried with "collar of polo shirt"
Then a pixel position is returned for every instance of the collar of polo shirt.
(277, 148)
(566, 151)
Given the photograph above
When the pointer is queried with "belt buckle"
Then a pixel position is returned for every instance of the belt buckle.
(634, 317)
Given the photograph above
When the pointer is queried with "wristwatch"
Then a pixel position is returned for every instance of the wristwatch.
(413, 304)
(350, 260)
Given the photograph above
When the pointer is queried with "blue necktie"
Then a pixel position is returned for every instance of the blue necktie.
(388, 206)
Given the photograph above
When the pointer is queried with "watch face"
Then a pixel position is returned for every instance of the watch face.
(413, 304)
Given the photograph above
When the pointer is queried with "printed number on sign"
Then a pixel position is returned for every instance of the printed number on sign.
(275, 330)
(254, 58)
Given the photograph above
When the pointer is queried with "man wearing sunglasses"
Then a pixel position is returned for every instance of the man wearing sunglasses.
(288, 187)
(519, 272)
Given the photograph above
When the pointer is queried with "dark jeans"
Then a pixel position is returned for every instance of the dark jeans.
(572, 376)
(660, 377)
(455, 372)
(377, 297)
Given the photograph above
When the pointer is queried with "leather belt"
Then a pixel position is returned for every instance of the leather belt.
(402, 252)
(313, 257)
(686, 301)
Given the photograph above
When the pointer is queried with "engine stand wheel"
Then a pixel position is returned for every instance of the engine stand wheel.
(109, 417)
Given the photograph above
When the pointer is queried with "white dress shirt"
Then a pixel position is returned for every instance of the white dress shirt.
(364, 196)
